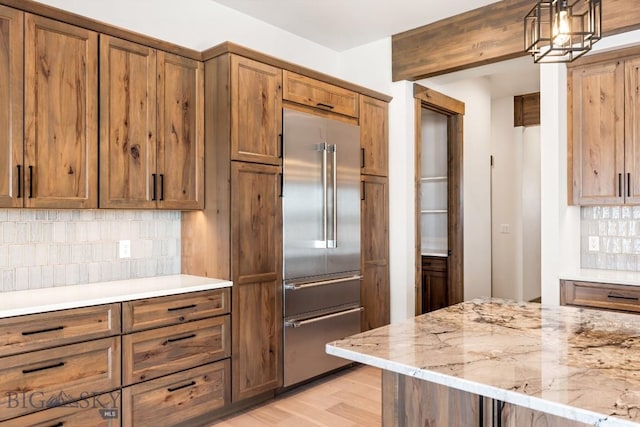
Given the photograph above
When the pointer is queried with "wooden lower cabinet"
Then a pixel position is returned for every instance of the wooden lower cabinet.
(608, 296)
(408, 401)
(102, 410)
(157, 352)
(55, 376)
(178, 399)
(435, 289)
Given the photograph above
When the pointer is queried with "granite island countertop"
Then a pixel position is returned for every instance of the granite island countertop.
(580, 364)
(17, 303)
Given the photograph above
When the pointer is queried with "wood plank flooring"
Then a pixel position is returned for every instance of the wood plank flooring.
(348, 398)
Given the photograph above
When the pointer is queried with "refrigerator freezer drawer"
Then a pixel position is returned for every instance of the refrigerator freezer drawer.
(305, 340)
(321, 295)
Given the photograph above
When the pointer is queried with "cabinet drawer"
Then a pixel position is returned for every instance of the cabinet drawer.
(37, 331)
(600, 295)
(434, 263)
(33, 381)
(102, 410)
(174, 309)
(151, 354)
(177, 399)
(312, 92)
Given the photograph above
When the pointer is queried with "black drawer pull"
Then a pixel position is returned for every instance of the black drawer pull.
(19, 179)
(186, 337)
(329, 106)
(31, 182)
(161, 186)
(617, 296)
(172, 389)
(42, 331)
(29, 371)
(60, 424)
(155, 192)
(184, 307)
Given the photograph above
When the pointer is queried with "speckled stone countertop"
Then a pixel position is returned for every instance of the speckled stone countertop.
(579, 364)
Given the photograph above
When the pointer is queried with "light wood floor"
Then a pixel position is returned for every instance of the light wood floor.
(348, 398)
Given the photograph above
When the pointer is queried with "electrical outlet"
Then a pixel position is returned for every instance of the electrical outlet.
(124, 249)
(594, 243)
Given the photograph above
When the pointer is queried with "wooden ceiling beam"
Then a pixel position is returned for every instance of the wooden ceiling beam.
(482, 36)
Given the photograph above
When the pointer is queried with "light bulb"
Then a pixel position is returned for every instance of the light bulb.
(561, 28)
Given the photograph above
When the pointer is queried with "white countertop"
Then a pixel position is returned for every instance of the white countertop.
(575, 363)
(603, 276)
(64, 297)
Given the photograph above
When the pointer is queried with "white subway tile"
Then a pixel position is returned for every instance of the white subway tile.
(94, 272)
(41, 215)
(59, 275)
(22, 232)
(52, 215)
(15, 256)
(9, 232)
(81, 231)
(47, 276)
(64, 254)
(35, 277)
(8, 280)
(27, 215)
(4, 256)
(13, 215)
(72, 274)
(35, 231)
(64, 215)
(22, 278)
(59, 232)
(93, 231)
(4, 214)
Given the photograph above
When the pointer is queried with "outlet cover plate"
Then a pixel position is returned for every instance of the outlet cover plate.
(124, 249)
(594, 243)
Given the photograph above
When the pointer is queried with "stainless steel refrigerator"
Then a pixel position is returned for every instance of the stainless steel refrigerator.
(321, 223)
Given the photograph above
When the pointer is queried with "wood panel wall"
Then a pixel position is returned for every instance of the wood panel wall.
(482, 36)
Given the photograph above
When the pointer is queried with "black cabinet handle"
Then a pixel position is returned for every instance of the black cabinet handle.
(172, 389)
(323, 105)
(186, 337)
(19, 181)
(363, 194)
(613, 295)
(42, 331)
(161, 186)
(60, 424)
(281, 154)
(628, 184)
(362, 158)
(619, 185)
(184, 307)
(281, 177)
(154, 197)
(30, 182)
(29, 371)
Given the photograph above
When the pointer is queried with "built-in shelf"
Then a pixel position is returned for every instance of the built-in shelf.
(434, 211)
(433, 179)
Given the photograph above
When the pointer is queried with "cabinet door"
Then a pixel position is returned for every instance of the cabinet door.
(256, 111)
(632, 130)
(61, 136)
(127, 124)
(180, 132)
(374, 136)
(11, 37)
(374, 289)
(256, 227)
(596, 132)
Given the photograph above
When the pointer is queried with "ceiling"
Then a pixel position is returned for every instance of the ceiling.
(343, 24)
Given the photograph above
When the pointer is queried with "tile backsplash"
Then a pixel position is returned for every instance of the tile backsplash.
(46, 248)
(614, 235)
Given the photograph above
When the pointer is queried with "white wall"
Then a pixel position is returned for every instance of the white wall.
(201, 24)
(531, 167)
(368, 65)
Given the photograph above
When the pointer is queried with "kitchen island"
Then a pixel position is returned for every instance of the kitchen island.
(498, 362)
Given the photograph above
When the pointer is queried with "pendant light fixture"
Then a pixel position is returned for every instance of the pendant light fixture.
(562, 30)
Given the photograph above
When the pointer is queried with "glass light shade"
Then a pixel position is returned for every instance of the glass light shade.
(562, 30)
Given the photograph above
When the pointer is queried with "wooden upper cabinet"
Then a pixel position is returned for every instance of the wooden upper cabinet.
(632, 130)
(180, 132)
(374, 136)
(256, 111)
(61, 135)
(11, 72)
(256, 229)
(127, 124)
(315, 93)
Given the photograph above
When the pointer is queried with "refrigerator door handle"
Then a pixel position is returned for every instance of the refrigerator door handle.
(325, 196)
(299, 323)
(297, 287)
(334, 242)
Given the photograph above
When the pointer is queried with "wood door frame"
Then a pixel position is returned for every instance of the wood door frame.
(429, 99)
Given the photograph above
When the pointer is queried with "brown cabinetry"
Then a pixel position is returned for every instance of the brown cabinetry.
(374, 136)
(60, 137)
(374, 288)
(256, 111)
(435, 290)
(11, 104)
(151, 131)
(314, 93)
(600, 295)
(604, 129)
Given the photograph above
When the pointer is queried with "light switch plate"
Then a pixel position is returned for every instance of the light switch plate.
(124, 249)
(594, 243)
(505, 228)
